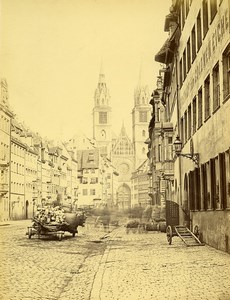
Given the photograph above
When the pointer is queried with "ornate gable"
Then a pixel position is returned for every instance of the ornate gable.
(123, 145)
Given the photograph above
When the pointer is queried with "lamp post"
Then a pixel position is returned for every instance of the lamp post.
(178, 148)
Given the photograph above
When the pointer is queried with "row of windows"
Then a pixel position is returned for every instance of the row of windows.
(123, 148)
(31, 157)
(17, 168)
(164, 152)
(184, 9)
(17, 187)
(123, 152)
(208, 98)
(30, 171)
(4, 151)
(209, 186)
(30, 187)
(92, 180)
(87, 171)
(5, 124)
(17, 150)
(54, 188)
(86, 192)
(195, 40)
(209, 10)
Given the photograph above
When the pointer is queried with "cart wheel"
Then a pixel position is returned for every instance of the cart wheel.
(196, 231)
(59, 236)
(169, 234)
(29, 233)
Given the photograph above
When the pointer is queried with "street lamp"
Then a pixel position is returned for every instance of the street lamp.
(178, 147)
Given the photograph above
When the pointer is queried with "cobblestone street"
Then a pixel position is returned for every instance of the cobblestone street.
(95, 265)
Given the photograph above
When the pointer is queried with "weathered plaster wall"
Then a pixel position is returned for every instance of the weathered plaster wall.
(214, 228)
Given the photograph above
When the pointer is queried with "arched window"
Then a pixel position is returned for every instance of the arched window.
(103, 134)
(143, 132)
(143, 150)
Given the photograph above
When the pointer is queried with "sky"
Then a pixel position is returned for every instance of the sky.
(51, 52)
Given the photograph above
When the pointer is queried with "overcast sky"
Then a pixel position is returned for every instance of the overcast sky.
(51, 52)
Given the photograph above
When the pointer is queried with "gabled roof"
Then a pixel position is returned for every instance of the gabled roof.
(123, 144)
(88, 159)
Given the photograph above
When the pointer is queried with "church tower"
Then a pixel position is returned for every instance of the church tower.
(102, 128)
(141, 114)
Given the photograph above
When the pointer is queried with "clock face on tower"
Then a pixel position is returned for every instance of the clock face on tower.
(123, 168)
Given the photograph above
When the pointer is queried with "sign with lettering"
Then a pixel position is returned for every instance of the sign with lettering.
(210, 46)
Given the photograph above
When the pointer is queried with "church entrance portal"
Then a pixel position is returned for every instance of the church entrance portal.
(124, 197)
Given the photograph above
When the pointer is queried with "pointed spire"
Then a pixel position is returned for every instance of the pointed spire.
(123, 132)
(140, 74)
(101, 74)
(101, 67)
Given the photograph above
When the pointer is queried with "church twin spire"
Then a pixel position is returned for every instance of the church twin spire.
(102, 95)
(141, 93)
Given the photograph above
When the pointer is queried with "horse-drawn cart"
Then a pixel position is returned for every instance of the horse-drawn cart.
(55, 222)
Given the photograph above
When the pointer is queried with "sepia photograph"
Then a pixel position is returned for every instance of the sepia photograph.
(115, 149)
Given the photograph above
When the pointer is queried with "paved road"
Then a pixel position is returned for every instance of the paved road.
(99, 266)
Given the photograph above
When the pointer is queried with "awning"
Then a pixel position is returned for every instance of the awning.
(165, 55)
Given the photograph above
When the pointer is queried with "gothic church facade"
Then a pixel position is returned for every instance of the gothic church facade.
(126, 154)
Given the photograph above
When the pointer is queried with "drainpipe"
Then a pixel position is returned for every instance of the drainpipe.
(178, 130)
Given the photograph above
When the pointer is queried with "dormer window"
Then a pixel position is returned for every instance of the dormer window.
(91, 157)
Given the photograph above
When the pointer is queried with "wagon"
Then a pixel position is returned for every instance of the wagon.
(72, 221)
(174, 229)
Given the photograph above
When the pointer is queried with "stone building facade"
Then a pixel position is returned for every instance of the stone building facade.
(6, 116)
(34, 171)
(196, 92)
